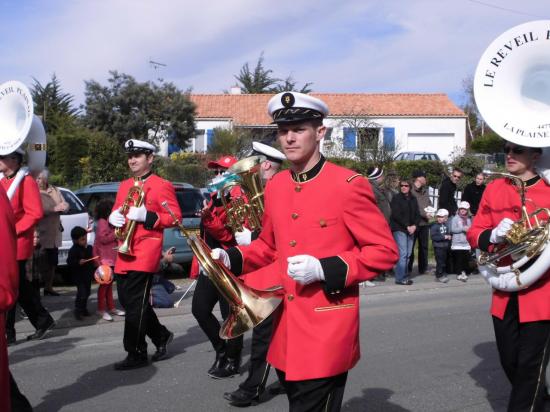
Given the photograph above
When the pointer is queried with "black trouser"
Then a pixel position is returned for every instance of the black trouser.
(29, 300)
(140, 320)
(19, 403)
(324, 394)
(461, 261)
(421, 237)
(83, 284)
(205, 298)
(440, 260)
(523, 350)
(258, 371)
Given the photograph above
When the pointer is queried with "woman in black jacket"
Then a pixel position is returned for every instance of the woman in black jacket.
(405, 217)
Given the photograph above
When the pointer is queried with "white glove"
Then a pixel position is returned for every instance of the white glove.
(305, 269)
(244, 237)
(498, 233)
(117, 219)
(222, 256)
(137, 213)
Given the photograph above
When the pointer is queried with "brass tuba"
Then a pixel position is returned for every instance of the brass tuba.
(238, 211)
(134, 197)
(512, 93)
(248, 306)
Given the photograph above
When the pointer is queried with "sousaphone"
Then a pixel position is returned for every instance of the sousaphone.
(21, 130)
(512, 93)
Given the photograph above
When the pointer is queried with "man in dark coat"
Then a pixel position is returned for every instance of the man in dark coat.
(447, 191)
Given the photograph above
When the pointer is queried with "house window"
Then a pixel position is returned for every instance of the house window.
(209, 137)
(328, 134)
(350, 142)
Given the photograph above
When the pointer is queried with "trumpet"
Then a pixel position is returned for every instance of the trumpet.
(248, 307)
(135, 197)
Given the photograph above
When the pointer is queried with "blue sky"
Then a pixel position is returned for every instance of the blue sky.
(338, 45)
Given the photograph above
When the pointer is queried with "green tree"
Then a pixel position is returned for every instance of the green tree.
(52, 105)
(261, 80)
(149, 111)
(489, 143)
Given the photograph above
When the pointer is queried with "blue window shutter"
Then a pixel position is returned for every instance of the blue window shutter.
(209, 137)
(389, 138)
(349, 138)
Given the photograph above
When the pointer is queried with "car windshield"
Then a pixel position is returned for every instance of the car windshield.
(74, 205)
(190, 202)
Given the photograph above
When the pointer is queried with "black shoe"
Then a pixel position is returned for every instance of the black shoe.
(406, 282)
(50, 293)
(42, 332)
(160, 354)
(242, 398)
(132, 361)
(219, 362)
(78, 315)
(86, 313)
(229, 368)
(276, 388)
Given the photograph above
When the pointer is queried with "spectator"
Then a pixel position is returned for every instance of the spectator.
(447, 191)
(404, 220)
(440, 232)
(419, 190)
(473, 192)
(460, 248)
(105, 247)
(391, 185)
(82, 266)
(162, 288)
(49, 230)
(376, 179)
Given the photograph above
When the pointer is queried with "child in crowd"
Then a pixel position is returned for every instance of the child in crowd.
(82, 265)
(460, 248)
(104, 247)
(440, 233)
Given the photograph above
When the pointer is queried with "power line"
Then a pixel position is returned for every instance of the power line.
(494, 6)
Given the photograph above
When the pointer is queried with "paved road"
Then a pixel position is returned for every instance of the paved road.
(428, 347)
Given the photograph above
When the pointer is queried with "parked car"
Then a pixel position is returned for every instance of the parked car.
(416, 156)
(189, 199)
(76, 215)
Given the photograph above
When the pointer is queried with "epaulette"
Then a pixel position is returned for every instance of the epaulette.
(349, 179)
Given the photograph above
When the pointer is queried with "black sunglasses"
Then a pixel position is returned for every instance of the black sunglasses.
(514, 150)
(218, 172)
(404, 185)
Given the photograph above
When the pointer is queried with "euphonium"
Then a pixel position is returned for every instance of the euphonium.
(134, 197)
(238, 211)
(526, 242)
(248, 307)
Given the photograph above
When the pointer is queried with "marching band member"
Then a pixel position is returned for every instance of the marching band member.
(135, 272)
(314, 228)
(250, 390)
(520, 319)
(27, 208)
(216, 233)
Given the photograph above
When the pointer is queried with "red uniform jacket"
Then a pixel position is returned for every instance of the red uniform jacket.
(9, 284)
(501, 199)
(146, 242)
(27, 208)
(331, 214)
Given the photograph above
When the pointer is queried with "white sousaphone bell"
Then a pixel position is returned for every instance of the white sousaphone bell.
(512, 93)
(20, 129)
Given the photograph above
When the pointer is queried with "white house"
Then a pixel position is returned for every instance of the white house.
(405, 122)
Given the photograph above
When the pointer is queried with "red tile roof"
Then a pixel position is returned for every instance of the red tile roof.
(250, 109)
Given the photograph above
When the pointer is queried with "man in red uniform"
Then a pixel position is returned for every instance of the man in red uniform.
(135, 271)
(27, 208)
(520, 319)
(323, 226)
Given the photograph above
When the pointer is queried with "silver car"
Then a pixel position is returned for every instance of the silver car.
(76, 215)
